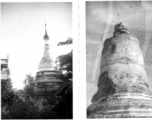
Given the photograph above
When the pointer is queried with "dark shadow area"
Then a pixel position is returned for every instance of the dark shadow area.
(105, 85)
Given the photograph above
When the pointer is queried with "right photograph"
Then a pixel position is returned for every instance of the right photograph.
(119, 59)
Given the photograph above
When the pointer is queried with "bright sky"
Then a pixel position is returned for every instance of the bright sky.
(22, 31)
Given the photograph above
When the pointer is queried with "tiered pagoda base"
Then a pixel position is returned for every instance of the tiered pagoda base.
(48, 81)
(122, 105)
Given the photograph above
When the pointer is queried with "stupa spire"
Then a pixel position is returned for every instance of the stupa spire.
(46, 61)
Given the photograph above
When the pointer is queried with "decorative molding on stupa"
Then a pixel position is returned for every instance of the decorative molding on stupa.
(123, 89)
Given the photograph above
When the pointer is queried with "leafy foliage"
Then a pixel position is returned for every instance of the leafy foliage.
(24, 110)
(26, 103)
(64, 107)
(29, 86)
(65, 61)
(67, 42)
(8, 95)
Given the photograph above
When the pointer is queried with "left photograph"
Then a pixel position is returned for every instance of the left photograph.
(36, 60)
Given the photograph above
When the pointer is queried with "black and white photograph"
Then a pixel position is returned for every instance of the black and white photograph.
(76, 59)
(36, 60)
(119, 59)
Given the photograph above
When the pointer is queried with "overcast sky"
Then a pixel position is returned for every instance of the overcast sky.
(135, 16)
(22, 31)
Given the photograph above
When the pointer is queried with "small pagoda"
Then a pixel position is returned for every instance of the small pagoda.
(47, 77)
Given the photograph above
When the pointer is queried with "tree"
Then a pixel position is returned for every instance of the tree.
(8, 94)
(67, 42)
(24, 109)
(65, 61)
(29, 86)
(8, 98)
(64, 108)
(19, 104)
